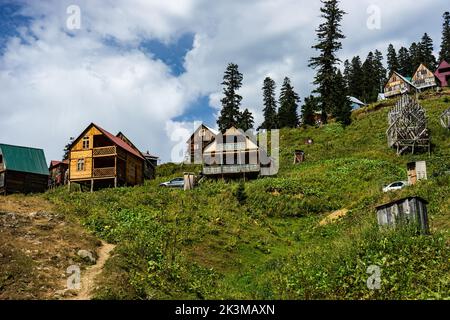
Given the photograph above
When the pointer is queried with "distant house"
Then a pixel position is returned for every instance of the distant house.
(356, 103)
(424, 78)
(233, 153)
(381, 97)
(151, 161)
(58, 173)
(397, 85)
(198, 141)
(101, 159)
(443, 73)
(22, 170)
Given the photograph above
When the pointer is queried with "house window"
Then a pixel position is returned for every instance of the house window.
(80, 165)
(86, 143)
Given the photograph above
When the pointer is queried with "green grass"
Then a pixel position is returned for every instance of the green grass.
(266, 243)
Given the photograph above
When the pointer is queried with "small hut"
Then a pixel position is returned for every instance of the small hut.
(299, 156)
(22, 170)
(424, 78)
(416, 171)
(445, 119)
(411, 210)
(443, 73)
(398, 85)
(407, 126)
(58, 170)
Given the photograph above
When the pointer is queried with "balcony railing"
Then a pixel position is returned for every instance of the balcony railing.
(104, 172)
(104, 151)
(231, 146)
(227, 169)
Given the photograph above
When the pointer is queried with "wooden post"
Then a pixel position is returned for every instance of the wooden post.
(92, 185)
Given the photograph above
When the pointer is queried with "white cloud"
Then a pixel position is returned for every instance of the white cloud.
(58, 82)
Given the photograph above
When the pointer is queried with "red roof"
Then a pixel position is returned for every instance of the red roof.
(119, 142)
(55, 163)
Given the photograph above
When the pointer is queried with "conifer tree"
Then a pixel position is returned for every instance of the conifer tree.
(380, 71)
(270, 105)
(343, 109)
(444, 54)
(329, 37)
(369, 79)
(245, 120)
(428, 57)
(309, 109)
(289, 99)
(355, 82)
(404, 61)
(230, 115)
(392, 60)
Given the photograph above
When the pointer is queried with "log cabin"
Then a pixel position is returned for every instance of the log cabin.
(197, 143)
(22, 170)
(397, 85)
(423, 78)
(443, 73)
(100, 159)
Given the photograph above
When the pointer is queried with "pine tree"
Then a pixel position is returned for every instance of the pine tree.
(329, 35)
(392, 60)
(347, 73)
(380, 71)
(232, 81)
(427, 52)
(289, 99)
(416, 57)
(355, 82)
(444, 54)
(343, 108)
(309, 109)
(404, 62)
(369, 79)
(67, 149)
(270, 105)
(245, 120)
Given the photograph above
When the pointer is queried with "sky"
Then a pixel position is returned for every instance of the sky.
(153, 69)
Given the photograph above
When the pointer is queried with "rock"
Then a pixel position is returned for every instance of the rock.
(32, 215)
(87, 256)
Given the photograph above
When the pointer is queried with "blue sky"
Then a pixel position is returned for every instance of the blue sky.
(153, 69)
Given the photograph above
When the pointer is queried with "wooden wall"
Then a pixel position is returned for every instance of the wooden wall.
(22, 182)
(74, 156)
(78, 145)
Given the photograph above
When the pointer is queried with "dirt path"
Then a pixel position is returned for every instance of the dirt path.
(89, 275)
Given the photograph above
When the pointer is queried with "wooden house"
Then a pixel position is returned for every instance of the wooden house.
(101, 159)
(423, 78)
(443, 74)
(397, 85)
(22, 170)
(411, 210)
(151, 161)
(58, 173)
(198, 141)
(233, 153)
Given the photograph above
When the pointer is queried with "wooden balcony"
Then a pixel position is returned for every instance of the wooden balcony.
(104, 172)
(104, 151)
(231, 169)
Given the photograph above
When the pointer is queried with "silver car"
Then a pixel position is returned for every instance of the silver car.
(395, 186)
(174, 183)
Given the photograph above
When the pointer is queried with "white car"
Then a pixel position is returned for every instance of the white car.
(395, 186)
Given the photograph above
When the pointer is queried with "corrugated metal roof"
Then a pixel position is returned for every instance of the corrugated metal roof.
(24, 159)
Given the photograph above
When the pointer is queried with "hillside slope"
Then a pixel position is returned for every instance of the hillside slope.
(205, 244)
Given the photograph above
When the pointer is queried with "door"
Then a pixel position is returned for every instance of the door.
(2, 180)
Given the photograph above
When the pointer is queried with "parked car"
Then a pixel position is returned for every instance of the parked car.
(395, 186)
(174, 183)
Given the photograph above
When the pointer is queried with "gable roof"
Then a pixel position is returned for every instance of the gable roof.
(24, 159)
(214, 132)
(442, 65)
(355, 100)
(55, 163)
(114, 139)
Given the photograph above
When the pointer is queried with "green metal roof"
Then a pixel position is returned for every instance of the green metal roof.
(24, 159)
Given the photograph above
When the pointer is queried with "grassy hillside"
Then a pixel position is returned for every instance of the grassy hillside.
(206, 244)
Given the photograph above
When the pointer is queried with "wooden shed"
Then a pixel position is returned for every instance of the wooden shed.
(411, 210)
(443, 73)
(22, 170)
(416, 171)
(101, 159)
(397, 85)
(423, 78)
